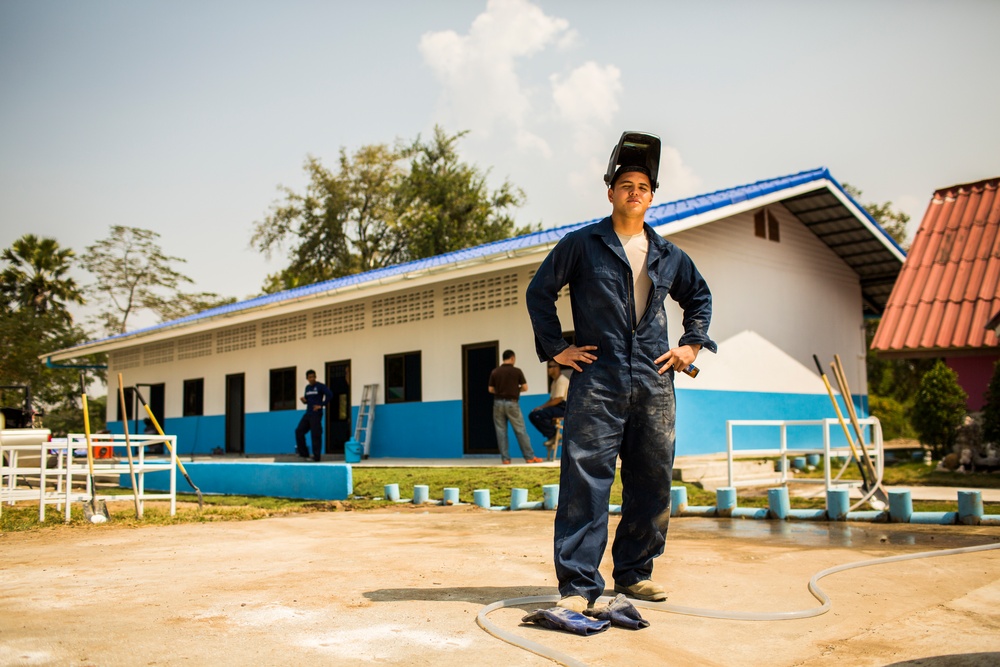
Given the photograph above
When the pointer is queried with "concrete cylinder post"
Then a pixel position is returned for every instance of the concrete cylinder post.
(900, 506)
(838, 504)
(970, 507)
(550, 496)
(517, 498)
(421, 492)
(812, 460)
(451, 495)
(799, 463)
(778, 503)
(725, 500)
(392, 492)
(481, 497)
(678, 500)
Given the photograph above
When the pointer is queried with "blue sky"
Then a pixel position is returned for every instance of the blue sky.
(184, 117)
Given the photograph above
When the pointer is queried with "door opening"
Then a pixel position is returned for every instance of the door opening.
(338, 415)
(478, 361)
(234, 413)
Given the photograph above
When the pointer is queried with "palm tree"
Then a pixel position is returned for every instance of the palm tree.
(35, 279)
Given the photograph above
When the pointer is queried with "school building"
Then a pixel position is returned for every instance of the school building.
(794, 264)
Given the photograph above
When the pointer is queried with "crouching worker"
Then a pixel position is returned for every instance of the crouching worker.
(555, 408)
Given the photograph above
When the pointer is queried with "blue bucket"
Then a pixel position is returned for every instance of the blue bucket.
(352, 451)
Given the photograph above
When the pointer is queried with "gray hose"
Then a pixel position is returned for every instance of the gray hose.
(817, 592)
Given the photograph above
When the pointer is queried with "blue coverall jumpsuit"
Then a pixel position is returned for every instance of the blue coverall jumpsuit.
(618, 405)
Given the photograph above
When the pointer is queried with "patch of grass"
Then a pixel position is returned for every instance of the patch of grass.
(370, 482)
(917, 474)
(369, 487)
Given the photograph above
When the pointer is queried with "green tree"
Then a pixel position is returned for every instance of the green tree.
(35, 278)
(991, 412)
(939, 408)
(134, 274)
(383, 206)
(344, 223)
(34, 320)
(447, 203)
(892, 414)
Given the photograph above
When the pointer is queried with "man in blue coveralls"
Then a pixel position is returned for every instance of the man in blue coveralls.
(317, 395)
(621, 397)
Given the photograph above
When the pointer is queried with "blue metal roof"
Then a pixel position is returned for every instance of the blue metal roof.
(656, 216)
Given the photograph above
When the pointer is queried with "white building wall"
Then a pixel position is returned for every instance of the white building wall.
(796, 294)
(431, 316)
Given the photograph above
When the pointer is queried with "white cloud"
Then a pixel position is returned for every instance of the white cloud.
(478, 70)
(677, 180)
(549, 131)
(589, 94)
(528, 142)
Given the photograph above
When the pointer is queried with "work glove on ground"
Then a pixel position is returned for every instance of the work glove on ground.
(620, 612)
(567, 620)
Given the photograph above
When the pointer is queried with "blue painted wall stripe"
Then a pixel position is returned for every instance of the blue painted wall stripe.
(433, 429)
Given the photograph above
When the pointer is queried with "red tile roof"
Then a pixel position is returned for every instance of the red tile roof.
(949, 286)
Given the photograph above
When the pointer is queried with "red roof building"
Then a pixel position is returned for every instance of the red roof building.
(944, 302)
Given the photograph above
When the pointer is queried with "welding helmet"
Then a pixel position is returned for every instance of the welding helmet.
(636, 151)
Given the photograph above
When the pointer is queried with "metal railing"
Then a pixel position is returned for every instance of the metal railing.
(827, 451)
(59, 462)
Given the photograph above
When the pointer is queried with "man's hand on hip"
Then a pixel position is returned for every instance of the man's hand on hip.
(573, 354)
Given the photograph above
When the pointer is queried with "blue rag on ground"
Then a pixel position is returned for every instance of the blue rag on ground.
(620, 612)
(557, 618)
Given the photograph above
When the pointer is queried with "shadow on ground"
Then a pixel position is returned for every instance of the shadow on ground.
(952, 660)
(477, 594)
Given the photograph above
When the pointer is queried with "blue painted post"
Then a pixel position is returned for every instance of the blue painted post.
(838, 503)
(451, 495)
(550, 495)
(777, 502)
(392, 492)
(421, 492)
(678, 500)
(725, 500)
(481, 497)
(970, 507)
(900, 506)
(517, 498)
(799, 463)
(812, 460)
(938, 518)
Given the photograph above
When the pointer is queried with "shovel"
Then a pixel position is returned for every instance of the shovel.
(95, 511)
(867, 476)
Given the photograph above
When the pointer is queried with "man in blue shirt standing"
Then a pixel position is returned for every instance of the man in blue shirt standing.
(317, 395)
(621, 396)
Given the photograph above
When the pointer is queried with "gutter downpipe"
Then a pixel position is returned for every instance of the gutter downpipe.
(50, 364)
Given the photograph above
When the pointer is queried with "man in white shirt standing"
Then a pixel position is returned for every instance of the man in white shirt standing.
(554, 408)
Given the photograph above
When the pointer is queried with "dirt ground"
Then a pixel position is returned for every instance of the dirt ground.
(403, 587)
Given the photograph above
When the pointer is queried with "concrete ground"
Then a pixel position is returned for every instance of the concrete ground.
(403, 586)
